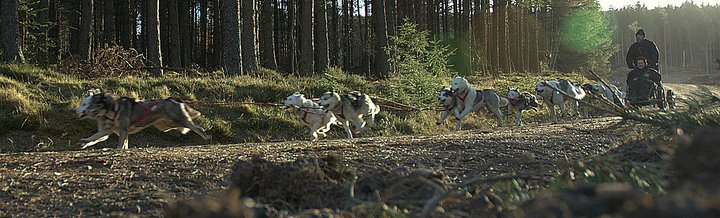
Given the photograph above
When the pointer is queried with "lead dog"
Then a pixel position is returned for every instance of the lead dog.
(124, 116)
(351, 107)
(551, 97)
(468, 99)
(310, 114)
(519, 101)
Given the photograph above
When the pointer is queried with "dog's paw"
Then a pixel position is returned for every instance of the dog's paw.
(83, 145)
(438, 123)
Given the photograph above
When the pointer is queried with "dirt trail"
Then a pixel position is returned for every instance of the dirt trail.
(688, 89)
(142, 181)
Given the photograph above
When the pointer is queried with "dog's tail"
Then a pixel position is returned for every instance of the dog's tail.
(504, 102)
(531, 99)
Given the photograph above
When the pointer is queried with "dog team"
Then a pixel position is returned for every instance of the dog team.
(124, 116)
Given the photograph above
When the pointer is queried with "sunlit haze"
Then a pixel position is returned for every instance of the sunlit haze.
(607, 4)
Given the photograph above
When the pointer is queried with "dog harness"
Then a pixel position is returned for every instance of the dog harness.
(448, 108)
(464, 97)
(305, 113)
(148, 111)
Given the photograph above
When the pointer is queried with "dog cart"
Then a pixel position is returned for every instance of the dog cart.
(643, 91)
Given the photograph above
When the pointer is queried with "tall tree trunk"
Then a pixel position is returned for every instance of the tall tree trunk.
(54, 32)
(334, 33)
(494, 35)
(267, 46)
(381, 57)
(445, 29)
(231, 50)
(165, 31)
(11, 51)
(367, 32)
(43, 8)
(216, 57)
(125, 30)
(153, 37)
(98, 39)
(202, 50)
(292, 48)
(86, 29)
(322, 58)
(456, 21)
(185, 23)
(249, 41)
(280, 37)
(465, 17)
(306, 37)
(138, 25)
(390, 11)
(503, 39)
(74, 15)
(347, 33)
(109, 21)
(174, 23)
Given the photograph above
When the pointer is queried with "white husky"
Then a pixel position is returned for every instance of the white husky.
(468, 99)
(351, 107)
(552, 97)
(601, 91)
(310, 114)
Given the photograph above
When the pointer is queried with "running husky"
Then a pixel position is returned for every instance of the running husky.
(601, 91)
(468, 99)
(519, 101)
(310, 114)
(124, 116)
(351, 108)
(552, 97)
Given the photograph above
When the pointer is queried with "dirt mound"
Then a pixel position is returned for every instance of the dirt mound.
(693, 193)
(326, 187)
(697, 162)
(228, 204)
(591, 201)
(303, 184)
(311, 187)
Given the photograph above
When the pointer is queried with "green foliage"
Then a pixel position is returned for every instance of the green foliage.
(420, 64)
(35, 40)
(586, 40)
(414, 54)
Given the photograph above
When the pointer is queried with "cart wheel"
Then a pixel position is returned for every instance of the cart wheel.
(660, 95)
(670, 97)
